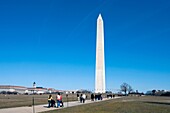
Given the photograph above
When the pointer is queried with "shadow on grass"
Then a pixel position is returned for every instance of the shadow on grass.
(163, 103)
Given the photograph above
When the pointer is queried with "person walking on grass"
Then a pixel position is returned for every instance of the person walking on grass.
(49, 100)
(92, 97)
(78, 98)
(83, 98)
(59, 100)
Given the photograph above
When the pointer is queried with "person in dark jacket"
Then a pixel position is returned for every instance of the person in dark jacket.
(92, 97)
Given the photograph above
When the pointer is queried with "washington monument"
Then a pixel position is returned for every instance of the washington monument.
(100, 60)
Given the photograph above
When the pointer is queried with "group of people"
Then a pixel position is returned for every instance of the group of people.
(51, 101)
(96, 97)
(81, 98)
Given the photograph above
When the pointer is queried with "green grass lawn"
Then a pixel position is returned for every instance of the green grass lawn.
(123, 105)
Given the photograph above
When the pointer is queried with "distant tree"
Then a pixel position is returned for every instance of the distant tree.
(124, 88)
(130, 89)
(78, 92)
(3, 92)
(153, 92)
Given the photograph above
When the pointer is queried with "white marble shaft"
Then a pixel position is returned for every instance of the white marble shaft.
(100, 60)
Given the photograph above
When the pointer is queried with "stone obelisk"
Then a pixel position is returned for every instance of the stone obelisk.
(100, 60)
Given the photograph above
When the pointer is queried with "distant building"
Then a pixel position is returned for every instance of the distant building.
(70, 91)
(9, 89)
(37, 90)
(34, 85)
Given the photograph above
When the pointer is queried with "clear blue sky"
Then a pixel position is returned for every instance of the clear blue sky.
(53, 42)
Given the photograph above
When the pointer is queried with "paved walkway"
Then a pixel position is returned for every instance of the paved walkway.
(41, 108)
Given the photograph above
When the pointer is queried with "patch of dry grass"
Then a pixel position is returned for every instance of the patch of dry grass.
(8, 101)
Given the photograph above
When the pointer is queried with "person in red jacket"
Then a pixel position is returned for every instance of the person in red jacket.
(59, 100)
